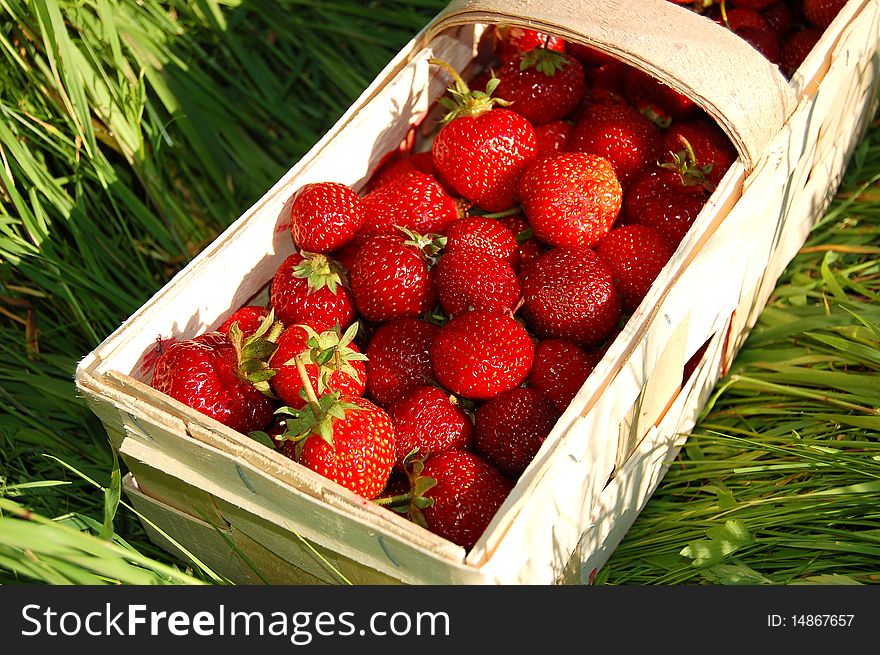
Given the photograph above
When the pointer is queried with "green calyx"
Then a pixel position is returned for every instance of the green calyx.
(315, 418)
(254, 352)
(684, 162)
(412, 503)
(331, 351)
(544, 61)
(461, 101)
(320, 271)
(430, 244)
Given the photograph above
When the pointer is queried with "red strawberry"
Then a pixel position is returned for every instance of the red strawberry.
(325, 216)
(308, 289)
(756, 5)
(636, 254)
(542, 85)
(249, 319)
(820, 13)
(480, 355)
(710, 145)
(398, 358)
(553, 137)
(347, 440)
(779, 17)
(391, 278)
(415, 201)
(346, 255)
(330, 359)
(560, 370)
(467, 494)
(589, 56)
(569, 293)
(621, 135)
(570, 198)
(659, 199)
(473, 279)
(796, 48)
(429, 421)
(481, 150)
(659, 102)
(737, 18)
(488, 235)
(422, 162)
(528, 247)
(219, 376)
(764, 41)
(508, 41)
(510, 428)
(607, 83)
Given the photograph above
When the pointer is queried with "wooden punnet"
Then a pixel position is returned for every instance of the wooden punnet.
(255, 516)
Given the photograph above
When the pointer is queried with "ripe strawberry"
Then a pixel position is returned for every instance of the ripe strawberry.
(472, 279)
(481, 149)
(330, 359)
(415, 201)
(542, 85)
(589, 56)
(779, 17)
(487, 235)
(796, 48)
(820, 13)
(347, 440)
(467, 494)
(553, 137)
(571, 198)
(606, 84)
(560, 370)
(401, 166)
(509, 40)
(398, 358)
(309, 289)
(635, 254)
(739, 17)
(429, 421)
(764, 41)
(710, 145)
(620, 134)
(221, 376)
(249, 319)
(479, 355)
(325, 216)
(660, 199)
(391, 278)
(510, 429)
(528, 247)
(569, 293)
(755, 5)
(659, 102)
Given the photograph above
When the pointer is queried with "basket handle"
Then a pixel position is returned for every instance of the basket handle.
(739, 88)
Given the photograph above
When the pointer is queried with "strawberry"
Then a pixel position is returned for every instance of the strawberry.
(428, 420)
(473, 279)
(528, 247)
(330, 359)
(607, 84)
(414, 200)
(661, 200)
(542, 85)
(659, 102)
(325, 216)
(635, 254)
(422, 162)
(482, 149)
(222, 376)
(755, 5)
(249, 319)
(620, 134)
(553, 137)
(488, 235)
(347, 440)
(589, 56)
(479, 355)
(510, 429)
(764, 41)
(570, 198)
(779, 17)
(820, 13)
(710, 145)
(796, 48)
(309, 289)
(569, 293)
(390, 277)
(398, 358)
(466, 494)
(560, 370)
(508, 41)
(737, 18)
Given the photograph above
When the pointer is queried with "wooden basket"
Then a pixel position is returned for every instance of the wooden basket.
(255, 516)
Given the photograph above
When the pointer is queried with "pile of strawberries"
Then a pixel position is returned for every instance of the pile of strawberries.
(425, 336)
(784, 31)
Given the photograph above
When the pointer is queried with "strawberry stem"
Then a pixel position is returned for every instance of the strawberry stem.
(507, 212)
(460, 84)
(394, 500)
(311, 396)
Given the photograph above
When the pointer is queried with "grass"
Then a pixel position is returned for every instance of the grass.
(132, 133)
